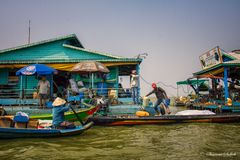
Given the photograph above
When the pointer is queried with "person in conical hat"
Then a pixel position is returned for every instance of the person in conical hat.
(58, 111)
(58, 102)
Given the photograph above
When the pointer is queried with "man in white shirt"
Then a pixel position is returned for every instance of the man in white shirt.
(134, 86)
(43, 90)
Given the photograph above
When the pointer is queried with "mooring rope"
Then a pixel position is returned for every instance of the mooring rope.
(166, 85)
(159, 82)
(145, 80)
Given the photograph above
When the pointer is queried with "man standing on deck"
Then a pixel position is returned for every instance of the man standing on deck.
(43, 90)
(161, 96)
(134, 86)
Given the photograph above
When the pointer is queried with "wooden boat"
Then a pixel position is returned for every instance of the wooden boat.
(180, 101)
(166, 119)
(46, 114)
(41, 133)
(9, 128)
(178, 104)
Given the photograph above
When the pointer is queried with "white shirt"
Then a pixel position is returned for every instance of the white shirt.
(43, 86)
(134, 80)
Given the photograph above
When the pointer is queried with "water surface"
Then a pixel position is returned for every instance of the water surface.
(178, 141)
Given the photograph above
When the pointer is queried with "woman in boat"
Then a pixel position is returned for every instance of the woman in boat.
(161, 95)
(58, 114)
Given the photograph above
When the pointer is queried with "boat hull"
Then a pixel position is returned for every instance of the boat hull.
(161, 120)
(70, 116)
(9, 133)
(83, 114)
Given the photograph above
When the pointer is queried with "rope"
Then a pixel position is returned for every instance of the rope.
(169, 86)
(187, 92)
(145, 81)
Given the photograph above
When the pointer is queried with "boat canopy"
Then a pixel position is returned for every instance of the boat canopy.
(192, 82)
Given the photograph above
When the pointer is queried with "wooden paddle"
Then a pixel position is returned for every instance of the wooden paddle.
(79, 119)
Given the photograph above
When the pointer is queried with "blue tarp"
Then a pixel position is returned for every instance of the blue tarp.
(38, 69)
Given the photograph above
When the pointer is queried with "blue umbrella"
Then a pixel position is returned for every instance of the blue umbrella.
(34, 69)
(39, 69)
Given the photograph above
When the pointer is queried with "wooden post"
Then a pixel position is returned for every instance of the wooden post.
(25, 87)
(21, 87)
(177, 91)
(225, 79)
(92, 80)
(139, 89)
(117, 75)
(51, 86)
(197, 88)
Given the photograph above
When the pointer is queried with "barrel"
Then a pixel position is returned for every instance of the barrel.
(145, 102)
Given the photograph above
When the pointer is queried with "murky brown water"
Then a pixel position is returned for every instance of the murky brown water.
(179, 141)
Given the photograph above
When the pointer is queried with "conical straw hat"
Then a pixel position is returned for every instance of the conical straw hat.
(58, 102)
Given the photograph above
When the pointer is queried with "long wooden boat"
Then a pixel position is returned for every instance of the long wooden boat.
(41, 133)
(166, 119)
(46, 114)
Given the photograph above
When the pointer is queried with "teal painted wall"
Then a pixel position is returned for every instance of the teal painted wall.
(29, 83)
(3, 76)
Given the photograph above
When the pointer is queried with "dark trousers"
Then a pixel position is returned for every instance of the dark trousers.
(157, 103)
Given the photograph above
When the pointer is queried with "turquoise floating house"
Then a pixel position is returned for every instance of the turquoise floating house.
(61, 53)
(217, 62)
(223, 71)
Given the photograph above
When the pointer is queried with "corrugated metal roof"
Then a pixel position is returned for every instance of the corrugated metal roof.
(41, 42)
(208, 69)
(235, 55)
(87, 50)
(233, 63)
(229, 56)
(58, 50)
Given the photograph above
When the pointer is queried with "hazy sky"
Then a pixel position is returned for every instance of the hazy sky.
(173, 32)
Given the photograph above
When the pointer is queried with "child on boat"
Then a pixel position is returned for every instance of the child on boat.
(58, 114)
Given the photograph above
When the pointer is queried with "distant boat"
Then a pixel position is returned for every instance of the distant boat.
(181, 101)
